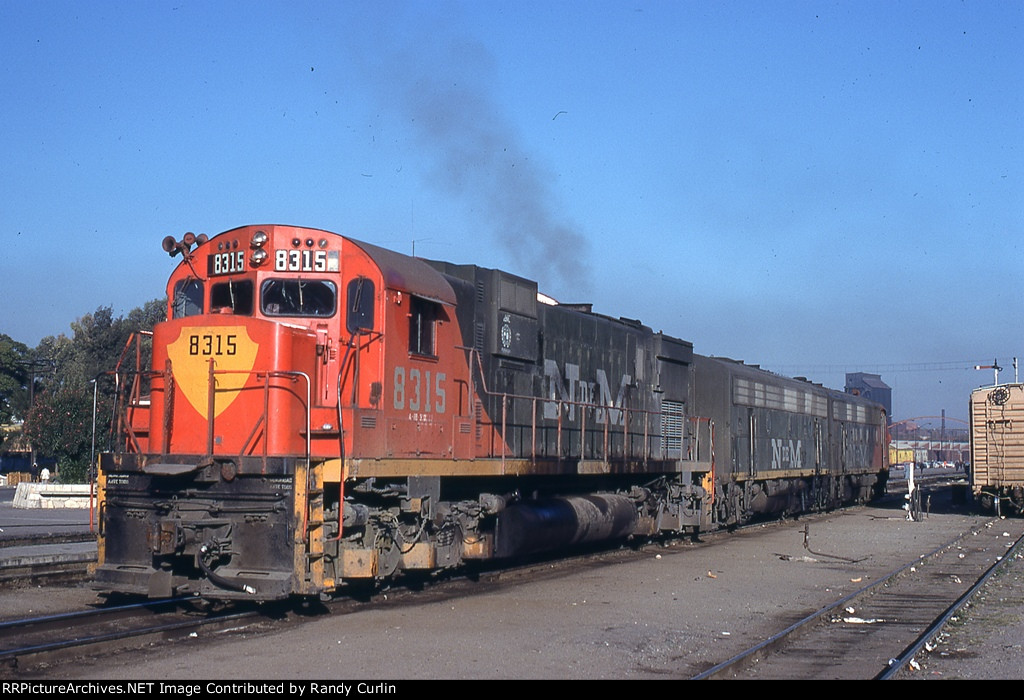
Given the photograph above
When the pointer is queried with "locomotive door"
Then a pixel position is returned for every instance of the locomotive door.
(818, 444)
(326, 367)
(355, 376)
(839, 449)
(358, 315)
(752, 437)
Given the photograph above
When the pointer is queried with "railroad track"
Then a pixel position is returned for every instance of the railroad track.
(875, 632)
(30, 645)
(37, 641)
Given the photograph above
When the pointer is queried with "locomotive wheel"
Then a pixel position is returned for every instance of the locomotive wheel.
(389, 555)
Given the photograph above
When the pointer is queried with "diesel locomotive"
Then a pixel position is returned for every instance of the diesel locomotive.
(317, 411)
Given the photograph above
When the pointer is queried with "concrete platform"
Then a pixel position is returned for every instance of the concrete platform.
(24, 535)
(20, 522)
(39, 555)
(36, 495)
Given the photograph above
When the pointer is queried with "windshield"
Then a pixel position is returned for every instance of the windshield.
(298, 297)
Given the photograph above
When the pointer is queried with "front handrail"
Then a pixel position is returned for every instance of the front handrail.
(131, 441)
(118, 419)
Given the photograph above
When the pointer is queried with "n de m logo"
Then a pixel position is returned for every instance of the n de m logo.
(571, 393)
(786, 454)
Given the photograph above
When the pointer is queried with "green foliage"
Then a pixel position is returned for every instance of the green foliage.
(74, 473)
(13, 379)
(97, 342)
(59, 424)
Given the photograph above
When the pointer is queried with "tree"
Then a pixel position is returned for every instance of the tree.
(13, 379)
(96, 343)
(59, 425)
(60, 422)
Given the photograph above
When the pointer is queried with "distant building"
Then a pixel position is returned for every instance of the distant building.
(870, 386)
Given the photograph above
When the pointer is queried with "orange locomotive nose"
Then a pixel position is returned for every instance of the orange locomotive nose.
(216, 382)
(227, 351)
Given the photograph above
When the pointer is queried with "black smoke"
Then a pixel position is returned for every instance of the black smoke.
(444, 89)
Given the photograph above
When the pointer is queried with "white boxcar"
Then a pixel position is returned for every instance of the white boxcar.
(997, 447)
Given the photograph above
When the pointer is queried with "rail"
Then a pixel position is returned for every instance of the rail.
(899, 663)
(864, 634)
(46, 640)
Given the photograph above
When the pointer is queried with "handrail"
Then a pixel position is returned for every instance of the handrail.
(266, 376)
(168, 375)
(118, 417)
(691, 447)
(691, 453)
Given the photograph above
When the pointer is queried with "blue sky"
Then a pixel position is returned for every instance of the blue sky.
(818, 187)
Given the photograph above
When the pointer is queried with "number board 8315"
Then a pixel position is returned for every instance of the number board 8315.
(306, 260)
(226, 263)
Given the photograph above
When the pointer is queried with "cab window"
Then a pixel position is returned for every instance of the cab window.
(422, 318)
(298, 297)
(233, 294)
(188, 298)
(359, 302)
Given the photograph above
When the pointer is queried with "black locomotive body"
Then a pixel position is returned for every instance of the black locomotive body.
(788, 445)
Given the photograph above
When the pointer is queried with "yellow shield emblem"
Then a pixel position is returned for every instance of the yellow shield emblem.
(232, 354)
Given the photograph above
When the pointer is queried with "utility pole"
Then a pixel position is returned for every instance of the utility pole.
(942, 436)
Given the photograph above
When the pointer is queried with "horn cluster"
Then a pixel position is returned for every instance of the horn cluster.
(172, 246)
